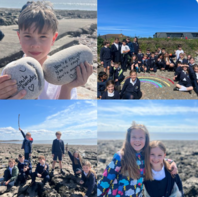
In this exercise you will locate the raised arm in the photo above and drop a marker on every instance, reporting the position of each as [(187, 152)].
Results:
[(23, 134)]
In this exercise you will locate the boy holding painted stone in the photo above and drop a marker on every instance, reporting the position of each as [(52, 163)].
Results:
[(10, 174), (37, 33), (27, 144), (58, 152)]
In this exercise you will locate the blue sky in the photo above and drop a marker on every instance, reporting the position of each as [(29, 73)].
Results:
[(75, 119), (159, 116), (144, 18)]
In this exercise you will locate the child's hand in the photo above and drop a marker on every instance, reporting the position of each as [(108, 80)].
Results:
[(81, 182), (39, 175), (102, 63), (173, 167), (20, 129), (100, 97), (116, 80), (6, 183), (8, 87), (45, 167)]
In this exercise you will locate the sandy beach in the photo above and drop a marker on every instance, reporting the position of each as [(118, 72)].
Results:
[(184, 153), (75, 27), (60, 185)]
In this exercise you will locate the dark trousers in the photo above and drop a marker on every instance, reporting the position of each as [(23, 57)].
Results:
[(195, 85), (46, 178), (124, 62), (27, 156)]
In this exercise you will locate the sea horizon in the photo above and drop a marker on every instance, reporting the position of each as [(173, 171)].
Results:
[(83, 141), (153, 136), (90, 5)]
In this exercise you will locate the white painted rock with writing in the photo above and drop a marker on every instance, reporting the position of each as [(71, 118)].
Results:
[(60, 68), (29, 76)]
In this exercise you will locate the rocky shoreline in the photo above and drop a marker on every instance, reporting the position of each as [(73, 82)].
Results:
[(184, 153), (60, 185), (9, 16)]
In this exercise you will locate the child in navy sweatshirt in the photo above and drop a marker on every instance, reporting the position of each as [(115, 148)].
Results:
[(110, 92), (25, 169), (184, 74), (131, 88), (152, 63), (76, 161), (58, 152), (116, 74), (27, 144), (102, 79), (88, 179), (42, 171), (105, 56)]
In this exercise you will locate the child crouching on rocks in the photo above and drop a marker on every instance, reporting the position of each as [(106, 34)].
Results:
[(10, 174), (42, 171), (25, 169), (89, 178), (76, 162)]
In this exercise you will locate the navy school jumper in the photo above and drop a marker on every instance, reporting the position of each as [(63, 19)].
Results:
[(76, 167), (116, 53)]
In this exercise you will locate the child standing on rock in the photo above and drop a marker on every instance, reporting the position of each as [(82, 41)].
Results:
[(58, 152), (37, 33), (130, 166), (88, 179), (76, 162), (163, 183), (27, 144), (10, 174)]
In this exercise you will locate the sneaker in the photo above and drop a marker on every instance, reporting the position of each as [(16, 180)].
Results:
[(52, 172), (176, 89)]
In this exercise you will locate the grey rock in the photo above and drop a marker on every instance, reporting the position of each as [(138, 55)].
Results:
[(3, 189), (29, 76), (60, 68)]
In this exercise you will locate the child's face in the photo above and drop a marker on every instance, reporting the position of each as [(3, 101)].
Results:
[(185, 68), (58, 136), (163, 51), (42, 161), (11, 164), (104, 77), (189, 56), (140, 51), (116, 65), (196, 69), (138, 139), (124, 43), (180, 48), (133, 76), (21, 159), (35, 44), (86, 169), (28, 137), (181, 56), (110, 88), (192, 61), (148, 52), (152, 55), (156, 157)]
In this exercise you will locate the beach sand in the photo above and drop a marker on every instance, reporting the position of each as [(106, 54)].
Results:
[(60, 185), (184, 154), (75, 27)]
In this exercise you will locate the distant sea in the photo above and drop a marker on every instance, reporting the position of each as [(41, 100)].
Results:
[(91, 141), (153, 136), (57, 4)]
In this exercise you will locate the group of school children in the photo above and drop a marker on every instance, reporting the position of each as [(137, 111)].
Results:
[(120, 57), (15, 175), (140, 168)]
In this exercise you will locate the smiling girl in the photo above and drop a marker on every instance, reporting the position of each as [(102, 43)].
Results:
[(163, 184)]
